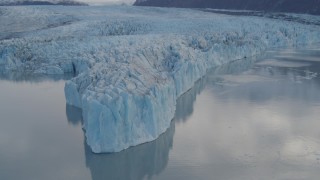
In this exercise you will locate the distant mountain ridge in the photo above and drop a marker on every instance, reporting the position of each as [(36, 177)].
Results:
[(41, 2), (294, 6)]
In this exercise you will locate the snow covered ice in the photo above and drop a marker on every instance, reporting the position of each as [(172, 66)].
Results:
[(132, 63)]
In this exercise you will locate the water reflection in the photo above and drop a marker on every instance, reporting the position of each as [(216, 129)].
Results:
[(185, 103), (135, 163), (32, 78), (257, 123), (35, 139), (271, 79), (149, 159), (74, 115)]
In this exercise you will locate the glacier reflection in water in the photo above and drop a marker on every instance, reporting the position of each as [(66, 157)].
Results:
[(257, 121), (134, 163), (147, 161), (244, 120)]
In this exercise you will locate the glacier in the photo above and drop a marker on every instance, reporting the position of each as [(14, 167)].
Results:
[(130, 64)]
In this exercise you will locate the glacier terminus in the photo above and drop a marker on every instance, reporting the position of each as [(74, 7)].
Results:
[(130, 64)]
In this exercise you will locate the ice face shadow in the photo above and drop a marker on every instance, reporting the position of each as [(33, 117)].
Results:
[(134, 163)]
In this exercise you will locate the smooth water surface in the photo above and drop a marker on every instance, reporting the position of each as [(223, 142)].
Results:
[(245, 120)]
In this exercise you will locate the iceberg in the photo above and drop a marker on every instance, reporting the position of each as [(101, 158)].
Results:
[(130, 64)]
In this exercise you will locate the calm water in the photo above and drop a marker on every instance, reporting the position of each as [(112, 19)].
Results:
[(246, 120)]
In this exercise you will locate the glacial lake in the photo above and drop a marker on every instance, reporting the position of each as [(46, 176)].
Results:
[(256, 118)]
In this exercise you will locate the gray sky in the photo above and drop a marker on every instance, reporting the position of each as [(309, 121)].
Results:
[(99, 2)]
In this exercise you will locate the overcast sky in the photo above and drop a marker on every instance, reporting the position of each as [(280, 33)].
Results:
[(97, 2)]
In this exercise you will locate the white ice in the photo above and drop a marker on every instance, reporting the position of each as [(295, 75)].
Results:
[(132, 63)]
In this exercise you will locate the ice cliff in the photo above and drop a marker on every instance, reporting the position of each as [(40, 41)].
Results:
[(132, 63)]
